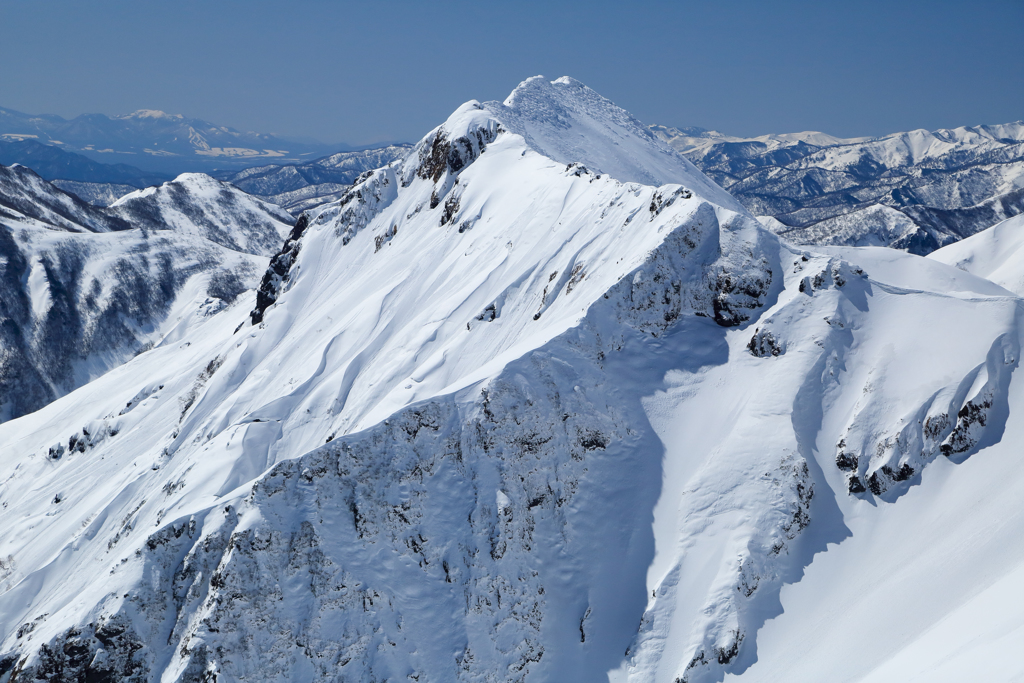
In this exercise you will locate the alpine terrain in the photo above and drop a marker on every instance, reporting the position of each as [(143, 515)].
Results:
[(83, 289), (534, 401), (916, 191), (298, 187)]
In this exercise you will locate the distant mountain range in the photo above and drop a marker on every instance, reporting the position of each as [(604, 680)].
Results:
[(155, 141), (917, 190), (294, 187)]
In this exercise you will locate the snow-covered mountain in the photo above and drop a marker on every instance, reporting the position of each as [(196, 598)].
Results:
[(97, 194), (536, 402), (299, 187), (24, 195), (197, 204), (916, 190), (83, 289)]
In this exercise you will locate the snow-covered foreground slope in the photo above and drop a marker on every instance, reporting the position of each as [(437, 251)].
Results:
[(996, 254), (927, 589), (500, 413), (84, 289), (850, 412)]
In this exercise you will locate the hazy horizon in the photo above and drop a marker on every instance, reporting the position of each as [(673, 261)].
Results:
[(356, 74)]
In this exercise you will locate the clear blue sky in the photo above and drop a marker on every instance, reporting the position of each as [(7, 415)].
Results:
[(378, 70)]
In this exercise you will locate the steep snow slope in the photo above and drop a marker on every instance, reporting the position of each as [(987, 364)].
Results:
[(500, 416), (996, 254), (568, 122), (832, 396), (926, 589), (429, 290)]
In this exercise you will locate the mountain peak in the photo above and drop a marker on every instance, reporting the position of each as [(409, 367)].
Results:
[(568, 122), (521, 379)]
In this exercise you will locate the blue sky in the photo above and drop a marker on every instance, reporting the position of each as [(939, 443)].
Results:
[(391, 70)]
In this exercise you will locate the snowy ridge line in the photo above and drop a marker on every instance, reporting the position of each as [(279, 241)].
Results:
[(506, 416), (25, 193), (916, 190), (995, 254), (820, 352), (560, 431), (195, 417)]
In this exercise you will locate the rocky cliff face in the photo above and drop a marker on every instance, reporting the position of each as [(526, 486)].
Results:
[(498, 415)]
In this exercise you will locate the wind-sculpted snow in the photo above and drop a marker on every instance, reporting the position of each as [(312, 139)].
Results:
[(830, 387), (568, 122), (496, 417), (996, 254)]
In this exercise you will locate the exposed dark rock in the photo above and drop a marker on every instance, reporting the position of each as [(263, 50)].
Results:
[(110, 652), (277, 272), (764, 344), (847, 462), (964, 435)]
